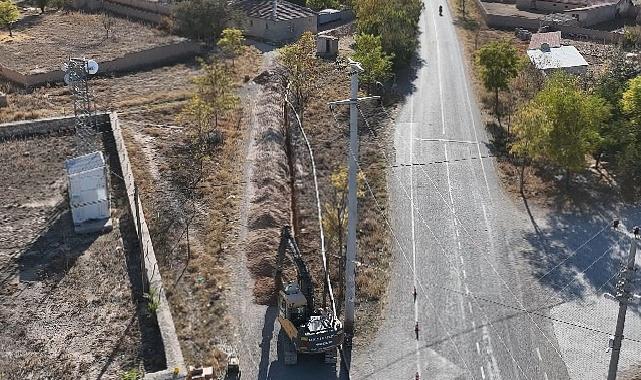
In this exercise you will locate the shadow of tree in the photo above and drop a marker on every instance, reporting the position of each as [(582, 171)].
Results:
[(576, 253)]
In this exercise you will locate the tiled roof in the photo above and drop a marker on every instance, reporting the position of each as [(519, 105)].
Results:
[(264, 9), (553, 39)]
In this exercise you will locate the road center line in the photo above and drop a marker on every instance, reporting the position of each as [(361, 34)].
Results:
[(418, 352)]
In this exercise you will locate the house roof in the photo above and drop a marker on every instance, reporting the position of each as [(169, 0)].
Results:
[(553, 39), (265, 9), (556, 58)]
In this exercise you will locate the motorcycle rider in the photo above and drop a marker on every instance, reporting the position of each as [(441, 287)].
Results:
[(440, 10)]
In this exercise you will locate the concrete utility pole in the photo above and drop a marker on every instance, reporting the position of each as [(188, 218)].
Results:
[(623, 296), (352, 201)]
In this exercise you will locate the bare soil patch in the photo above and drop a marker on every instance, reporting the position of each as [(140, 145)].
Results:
[(148, 103), (44, 42), (69, 303)]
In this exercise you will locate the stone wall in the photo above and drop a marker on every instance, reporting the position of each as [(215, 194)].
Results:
[(149, 58)]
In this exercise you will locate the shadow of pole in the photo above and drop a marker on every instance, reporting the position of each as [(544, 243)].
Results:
[(265, 344)]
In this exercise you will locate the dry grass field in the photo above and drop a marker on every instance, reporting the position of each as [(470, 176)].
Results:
[(71, 305), (44, 42)]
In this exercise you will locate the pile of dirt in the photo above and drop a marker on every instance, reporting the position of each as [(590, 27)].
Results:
[(270, 205)]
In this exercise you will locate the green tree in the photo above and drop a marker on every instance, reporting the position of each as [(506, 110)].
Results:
[(630, 138), (498, 63), (216, 90), (59, 4), (42, 4), (9, 14), (395, 21), (377, 64), (318, 5), (231, 42), (301, 70), (203, 19), (560, 125), (335, 215)]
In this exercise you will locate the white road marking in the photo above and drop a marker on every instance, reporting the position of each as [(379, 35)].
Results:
[(538, 353), (467, 290), (474, 326), (493, 367), (478, 348), (459, 244), (448, 140), (482, 372), (461, 257), (469, 304), (418, 351), (464, 273), (545, 375)]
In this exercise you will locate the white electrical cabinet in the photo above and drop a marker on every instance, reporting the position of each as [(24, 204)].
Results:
[(88, 188)]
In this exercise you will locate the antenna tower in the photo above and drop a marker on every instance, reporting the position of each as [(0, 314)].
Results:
[(77, 71)]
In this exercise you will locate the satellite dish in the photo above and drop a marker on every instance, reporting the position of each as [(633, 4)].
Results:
[(67, 77), (92, 66)]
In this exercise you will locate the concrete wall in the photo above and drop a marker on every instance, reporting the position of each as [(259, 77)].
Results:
[(173, 353), (30, 128), (138, 9), (344, 15), (593, 16), (279, 31), (153, 57), (548, 6)]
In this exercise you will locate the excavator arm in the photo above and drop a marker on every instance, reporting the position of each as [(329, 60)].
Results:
[(289, 247)]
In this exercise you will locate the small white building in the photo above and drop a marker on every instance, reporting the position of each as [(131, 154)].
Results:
[(549, 59), (276, 20), (326, 45)]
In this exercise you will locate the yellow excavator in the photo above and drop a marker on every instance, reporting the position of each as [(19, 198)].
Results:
[(308, 330)]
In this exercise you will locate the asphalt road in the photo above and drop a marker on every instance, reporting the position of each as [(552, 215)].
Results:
[(458, 239)]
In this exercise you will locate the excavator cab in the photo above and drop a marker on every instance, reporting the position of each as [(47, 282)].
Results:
[(293, 304)]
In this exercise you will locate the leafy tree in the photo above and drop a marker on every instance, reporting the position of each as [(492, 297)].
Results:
[(317, 5), (335, 213), (628, 163), (216, 90), (59, 4), (9, 14), (203, 19), (42, 4), (498, 62), (301, 70), (231, 42), (560, 125), (396, 21), (377, 64)]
